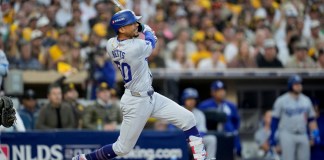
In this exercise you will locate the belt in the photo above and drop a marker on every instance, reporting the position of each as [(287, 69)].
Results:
[(139, 94), (298, 132)]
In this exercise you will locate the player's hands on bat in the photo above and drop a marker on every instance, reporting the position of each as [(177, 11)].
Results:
[(144, 28)]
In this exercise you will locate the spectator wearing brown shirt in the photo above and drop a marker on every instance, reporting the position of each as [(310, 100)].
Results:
[(55, 114), (300, 58)]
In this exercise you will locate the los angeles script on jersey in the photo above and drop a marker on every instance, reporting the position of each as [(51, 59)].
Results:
[(117, 53)]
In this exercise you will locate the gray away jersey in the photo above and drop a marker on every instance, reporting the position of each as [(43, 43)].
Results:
[(293, 113), (130, 56)]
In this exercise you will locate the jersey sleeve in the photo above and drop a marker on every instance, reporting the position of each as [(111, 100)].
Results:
[(145, 48), (311, 111), (235, 118), (276, 111), (201, 122)]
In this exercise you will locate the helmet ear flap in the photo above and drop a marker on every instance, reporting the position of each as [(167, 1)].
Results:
[(140, 27)]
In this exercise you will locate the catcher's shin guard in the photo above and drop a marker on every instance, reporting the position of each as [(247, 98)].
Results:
[(197, 148)]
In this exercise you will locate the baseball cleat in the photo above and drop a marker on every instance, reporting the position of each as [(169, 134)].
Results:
[(79, 157), (197, 148)]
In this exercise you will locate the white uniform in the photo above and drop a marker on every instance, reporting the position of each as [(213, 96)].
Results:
[(293, 114), (139, 101)]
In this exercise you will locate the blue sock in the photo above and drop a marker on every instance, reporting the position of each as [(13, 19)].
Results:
[(192, 132), (105, 152)]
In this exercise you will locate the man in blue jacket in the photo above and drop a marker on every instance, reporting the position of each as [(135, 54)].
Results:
[(218, 101)]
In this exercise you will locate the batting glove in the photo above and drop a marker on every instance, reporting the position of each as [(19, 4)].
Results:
[(147, 28), (316, 136)]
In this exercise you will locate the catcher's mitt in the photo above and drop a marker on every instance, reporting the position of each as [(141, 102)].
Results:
[(7, 112)]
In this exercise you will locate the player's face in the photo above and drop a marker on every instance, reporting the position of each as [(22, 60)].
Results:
[(219, 94), (131, 30), (190, 103), (297, 88)]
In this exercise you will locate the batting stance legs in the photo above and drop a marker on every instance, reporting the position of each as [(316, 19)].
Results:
[(136, 111)]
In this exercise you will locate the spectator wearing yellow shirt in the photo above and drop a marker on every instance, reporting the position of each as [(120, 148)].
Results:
[(216, 61), (74, 58), (201, 53), (27, 31), (59, 51)]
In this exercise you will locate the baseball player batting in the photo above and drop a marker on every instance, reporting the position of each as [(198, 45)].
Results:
[(139, 101), (293, 112)]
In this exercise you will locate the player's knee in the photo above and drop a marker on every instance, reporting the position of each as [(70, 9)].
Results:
[(122, 150), (189, 121)]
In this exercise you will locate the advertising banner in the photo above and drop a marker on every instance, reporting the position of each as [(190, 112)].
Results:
[(59, 145)]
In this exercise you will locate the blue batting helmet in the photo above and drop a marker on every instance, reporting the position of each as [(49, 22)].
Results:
[(123, 18), (294, 79), (189, 93)]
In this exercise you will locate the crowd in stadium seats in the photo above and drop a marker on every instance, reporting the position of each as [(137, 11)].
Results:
[(39, 34), (192, 34)]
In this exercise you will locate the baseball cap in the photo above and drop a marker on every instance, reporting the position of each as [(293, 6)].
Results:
[(260, 13), (269, 43), (36, 34), (102, 86), (301, 44), (29, 94), (315, 23), (290, 10), (216, 85), (69, 87), (42, 21)]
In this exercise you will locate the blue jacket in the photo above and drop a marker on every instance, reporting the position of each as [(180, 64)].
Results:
[(233, 120), (107, 74), (317, 151), (29, 119)]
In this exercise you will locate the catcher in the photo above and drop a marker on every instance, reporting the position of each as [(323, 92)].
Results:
[(7, 112)]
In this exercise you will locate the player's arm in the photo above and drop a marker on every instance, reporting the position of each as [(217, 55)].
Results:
[(149, 34), (4, 65), (235, 118), (312, 124), (275, 121)]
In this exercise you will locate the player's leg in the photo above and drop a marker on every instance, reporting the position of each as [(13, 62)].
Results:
[(136, 111), (303, 148), (173, 113), (288, 145), (210, 142)]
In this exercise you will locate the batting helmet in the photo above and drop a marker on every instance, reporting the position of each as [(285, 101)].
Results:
[(216, 85), (189, 93), (123, 18), (294, 79)]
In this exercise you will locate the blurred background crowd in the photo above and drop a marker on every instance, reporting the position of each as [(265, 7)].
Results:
[(45, 35), (201, 34)]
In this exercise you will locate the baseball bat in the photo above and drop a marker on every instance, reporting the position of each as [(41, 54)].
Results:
[(116, 2)]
